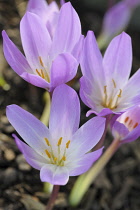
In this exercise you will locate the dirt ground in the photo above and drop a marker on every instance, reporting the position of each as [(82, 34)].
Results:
[(116, 188)]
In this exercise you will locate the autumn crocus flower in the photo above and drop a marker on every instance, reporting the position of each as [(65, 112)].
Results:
[(126, 127), (62, 150), (105, 87), (116, 20), (48, 13), (48, 63)]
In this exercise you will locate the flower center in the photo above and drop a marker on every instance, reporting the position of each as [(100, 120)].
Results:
[(129, 123), (111, 98), (59, 158), (43, 72)]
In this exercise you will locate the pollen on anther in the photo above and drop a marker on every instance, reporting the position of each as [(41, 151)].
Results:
[(47, 141), (47, 153), (67, 144), (136, 124), (42, 74), (120, 93), (41, 62), (55, 159), (64, 158), (130, 123), (126, 119), (59, 141), (114, 83), (38, 72)]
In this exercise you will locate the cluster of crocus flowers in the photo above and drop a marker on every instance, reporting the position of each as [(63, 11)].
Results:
[(53, 48), (105, 85), (48, 61), (63, 149)]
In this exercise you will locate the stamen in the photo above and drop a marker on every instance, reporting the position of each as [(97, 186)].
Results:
[(55, 159), (41, 62), (59, 141), (114, 83), (126, 119), (42, 74), (130, 123), (64, 158), (47, 141), (136, 124), (67, 144), (47, 153), (38, 72), (120, 93), (105, 89)]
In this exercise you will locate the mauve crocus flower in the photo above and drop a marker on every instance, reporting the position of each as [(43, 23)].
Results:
[(105, 87), (62, 150), (48, 13), (116, 20), (48, 63), (126, 127)]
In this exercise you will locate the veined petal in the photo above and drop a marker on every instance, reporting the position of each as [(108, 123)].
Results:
[(63, 69), (14, 57), (85, 162), (86, 92), (76, 52), (119, 130), (87, 136), (29, 127), (91, 59), (133, 135), (53, 174), (36, 40), (131, 92), (32, 157), (38, 7), (47, 13), (65, 112), (68, 30), (36, 80), (117, 60), (112, 25)]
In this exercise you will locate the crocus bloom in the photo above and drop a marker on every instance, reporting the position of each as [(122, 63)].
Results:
[(126, 127), (105, 87), (61, 150), (48, 13), (48, 63), (116, 20)]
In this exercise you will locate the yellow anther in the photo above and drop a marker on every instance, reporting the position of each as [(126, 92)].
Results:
[(114, 83), (64, 158), (41, 62), (47, 153), (59, 141), (38, 72), (47, 141), (67, 144), (55, 159), (120, 93), (42, 74)]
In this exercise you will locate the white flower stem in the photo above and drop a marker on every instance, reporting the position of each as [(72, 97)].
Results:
[(53, 197), (46, 112), (84, 181), (101, 142), (47, 188)]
